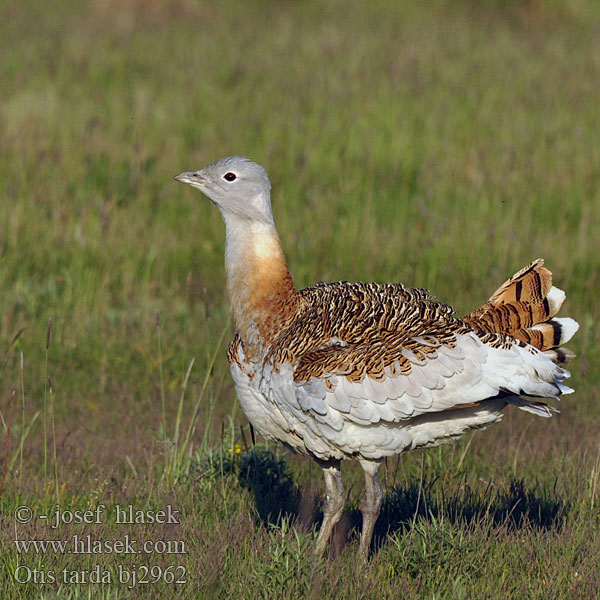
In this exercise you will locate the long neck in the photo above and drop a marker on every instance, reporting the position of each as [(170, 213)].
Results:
[(260, 287)]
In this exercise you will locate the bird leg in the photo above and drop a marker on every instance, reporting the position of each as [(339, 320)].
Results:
[(334, 503), (371, 504)]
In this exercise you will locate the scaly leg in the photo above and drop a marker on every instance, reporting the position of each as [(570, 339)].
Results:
[(334, 503), (371, 504)]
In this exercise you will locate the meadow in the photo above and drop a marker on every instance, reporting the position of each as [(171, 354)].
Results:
[(440, 144)]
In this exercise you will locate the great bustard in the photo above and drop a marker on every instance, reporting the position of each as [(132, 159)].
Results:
[(364, 370)]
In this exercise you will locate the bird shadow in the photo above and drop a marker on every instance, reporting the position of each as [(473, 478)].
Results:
[(516, 506), (270, 481)]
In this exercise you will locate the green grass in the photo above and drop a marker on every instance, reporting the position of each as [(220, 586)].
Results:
[(440, 144)]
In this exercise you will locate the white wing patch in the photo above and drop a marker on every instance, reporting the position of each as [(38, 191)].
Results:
[(446, 379)]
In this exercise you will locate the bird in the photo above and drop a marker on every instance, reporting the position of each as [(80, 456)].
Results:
[(365, 371)]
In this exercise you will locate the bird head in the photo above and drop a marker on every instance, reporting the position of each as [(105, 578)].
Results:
[(236, 185)]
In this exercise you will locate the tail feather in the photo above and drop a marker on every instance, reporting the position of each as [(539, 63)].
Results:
[(529, 285), (524, 307), (533, 406), (560, 355)]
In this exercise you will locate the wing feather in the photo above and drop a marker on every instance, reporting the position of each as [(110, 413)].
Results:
[(465, 374)]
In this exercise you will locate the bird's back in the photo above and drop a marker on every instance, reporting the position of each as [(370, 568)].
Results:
[(362, 328)]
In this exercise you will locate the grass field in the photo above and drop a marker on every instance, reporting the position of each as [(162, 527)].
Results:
[(440, 144)]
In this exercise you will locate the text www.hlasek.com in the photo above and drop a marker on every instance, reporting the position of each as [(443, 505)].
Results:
[(86, 544)]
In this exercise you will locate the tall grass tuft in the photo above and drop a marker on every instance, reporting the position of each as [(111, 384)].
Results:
[(22, 441), (7, 440), (162, 379), (46, 379), (53, 426), (180, 447), (25, 427)]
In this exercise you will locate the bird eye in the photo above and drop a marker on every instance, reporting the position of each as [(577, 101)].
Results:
[(229, 176)]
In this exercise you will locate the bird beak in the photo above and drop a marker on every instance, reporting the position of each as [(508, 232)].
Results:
[(190, 177)]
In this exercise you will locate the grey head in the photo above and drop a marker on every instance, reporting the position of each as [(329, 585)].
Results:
[(236, 185)]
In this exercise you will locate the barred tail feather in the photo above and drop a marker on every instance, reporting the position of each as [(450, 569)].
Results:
[(560, 355), (524, 307)]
